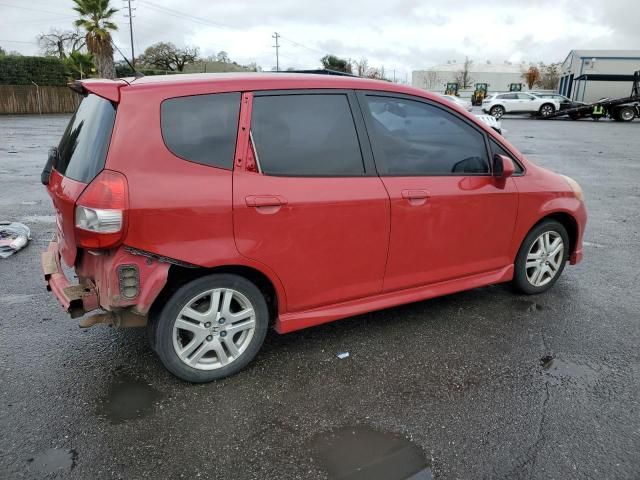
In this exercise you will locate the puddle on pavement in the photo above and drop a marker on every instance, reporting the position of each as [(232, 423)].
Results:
[(361, 453), (128, 398), (560, 369), (528, 306), (52, 462)]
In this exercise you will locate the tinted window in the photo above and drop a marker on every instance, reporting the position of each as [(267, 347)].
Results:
[(306, 135), (202, 128), (524, 96), (508, 96), (414, 138), (496, 148), (83, 148)]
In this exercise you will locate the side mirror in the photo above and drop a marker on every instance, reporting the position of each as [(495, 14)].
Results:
[(502, 166)]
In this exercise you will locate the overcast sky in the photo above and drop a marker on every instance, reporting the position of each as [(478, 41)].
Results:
[(403, 35)]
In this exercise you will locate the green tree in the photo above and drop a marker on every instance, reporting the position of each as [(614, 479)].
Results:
[(80, 64), (2, 52), (95, 19), (331, 62), (166, 56)]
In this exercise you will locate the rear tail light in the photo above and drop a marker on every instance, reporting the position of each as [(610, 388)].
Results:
[(100, 216)]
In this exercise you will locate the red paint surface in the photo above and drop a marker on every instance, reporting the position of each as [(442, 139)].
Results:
[(332, 247)]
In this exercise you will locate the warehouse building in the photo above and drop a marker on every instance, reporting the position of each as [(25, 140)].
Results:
[(589, 75), (497, 75)]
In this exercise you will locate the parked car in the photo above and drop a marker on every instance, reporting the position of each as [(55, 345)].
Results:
[(565, 102), (460, 102), (212, 207), (518, 102), (491, 121)]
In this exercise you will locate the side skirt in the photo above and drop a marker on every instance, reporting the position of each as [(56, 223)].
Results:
[(292, 321)]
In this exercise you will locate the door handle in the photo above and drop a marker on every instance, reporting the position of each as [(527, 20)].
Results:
[(415, 197), (265, 201)]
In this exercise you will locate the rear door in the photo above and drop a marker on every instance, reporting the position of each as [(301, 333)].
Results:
[(510, 102), (308, 204), (449, 216), (81, 156)]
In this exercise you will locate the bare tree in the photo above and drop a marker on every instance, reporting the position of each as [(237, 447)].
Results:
[(463, 77), (61, 43), (360, 67), (550, 76), (431, 80), (531, 76), (166, 56)]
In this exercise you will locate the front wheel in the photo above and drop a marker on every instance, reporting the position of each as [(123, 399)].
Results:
[(626, 114), (497, 111), (211, 327), (546, 110), (541, 258)]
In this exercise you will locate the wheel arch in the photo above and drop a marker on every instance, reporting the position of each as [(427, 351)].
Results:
[(179, 275), (567, 220)]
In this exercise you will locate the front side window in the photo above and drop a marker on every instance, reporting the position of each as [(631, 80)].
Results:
[(306, 135), (508, 96), (415, 138), (202, 128), (496, 148)]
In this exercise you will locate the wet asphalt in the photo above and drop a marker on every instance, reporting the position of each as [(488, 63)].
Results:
[(481, 384)]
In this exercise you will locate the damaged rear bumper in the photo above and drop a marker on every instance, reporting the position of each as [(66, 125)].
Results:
[(74, 299), (103, 286)]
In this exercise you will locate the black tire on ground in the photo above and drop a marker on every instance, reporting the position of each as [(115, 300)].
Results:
[(497, 111), (574, 116), (626, 114), (546, 109), (163, 328), (520, 281)]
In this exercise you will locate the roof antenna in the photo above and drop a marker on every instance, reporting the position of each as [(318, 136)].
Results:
[(136, 73)]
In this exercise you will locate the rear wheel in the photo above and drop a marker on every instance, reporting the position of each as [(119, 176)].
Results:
[(547, 109), (626, 114), (497, 111), (541, 258), (211, 327)]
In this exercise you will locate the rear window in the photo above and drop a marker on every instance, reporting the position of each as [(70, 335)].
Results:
[(202, 128), (83, 148)]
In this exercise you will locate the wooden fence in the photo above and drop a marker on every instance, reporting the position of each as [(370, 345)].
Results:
[(17, 99)]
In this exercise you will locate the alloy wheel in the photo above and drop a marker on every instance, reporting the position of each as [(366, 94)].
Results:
[(545, 258), (214, 328), (546, 110)]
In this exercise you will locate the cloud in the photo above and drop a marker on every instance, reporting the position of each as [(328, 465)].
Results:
[(403, 35)]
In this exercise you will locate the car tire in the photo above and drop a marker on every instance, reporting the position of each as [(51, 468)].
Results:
[(196, 336), (574, 116), (497, 111), (626, 114), (546, 109), (537, 268)]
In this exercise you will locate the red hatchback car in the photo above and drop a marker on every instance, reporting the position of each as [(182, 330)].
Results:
[(209, 207)]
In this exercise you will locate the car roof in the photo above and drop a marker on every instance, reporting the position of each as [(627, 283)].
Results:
[(269, 80)]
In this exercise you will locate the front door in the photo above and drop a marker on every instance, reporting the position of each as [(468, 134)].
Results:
[(449, 216), (312, 208)]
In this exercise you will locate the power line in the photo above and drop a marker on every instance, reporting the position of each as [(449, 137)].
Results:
[(186, 16), (302, 45), (32, 9)]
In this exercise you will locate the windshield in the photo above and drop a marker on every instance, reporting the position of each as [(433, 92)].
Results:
[(83, 147)]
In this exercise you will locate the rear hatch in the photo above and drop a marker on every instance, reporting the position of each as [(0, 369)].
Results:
[(77, 160)]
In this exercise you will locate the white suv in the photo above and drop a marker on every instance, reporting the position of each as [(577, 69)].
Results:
[(518, 102)]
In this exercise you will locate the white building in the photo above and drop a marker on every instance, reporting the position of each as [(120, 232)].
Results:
[(589, 75), (497, 75)]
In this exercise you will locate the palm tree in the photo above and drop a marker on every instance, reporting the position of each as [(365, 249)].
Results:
[(95, 18)]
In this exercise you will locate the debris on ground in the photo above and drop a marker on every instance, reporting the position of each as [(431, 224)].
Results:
[(13, 237), (342, 355)]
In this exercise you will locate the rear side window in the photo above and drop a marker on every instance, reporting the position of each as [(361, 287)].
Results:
[(306, 135), (83, 148), (202, 128), (415, 138)]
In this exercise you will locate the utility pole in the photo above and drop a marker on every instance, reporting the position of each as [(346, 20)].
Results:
[(276, 35), (133, 56)]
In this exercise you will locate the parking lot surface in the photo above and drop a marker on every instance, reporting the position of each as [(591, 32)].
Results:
[(481, 384)]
